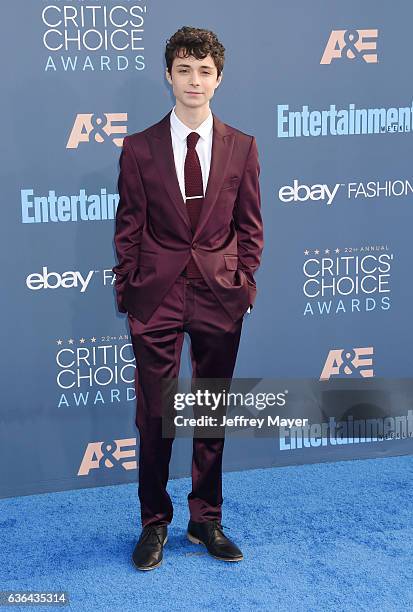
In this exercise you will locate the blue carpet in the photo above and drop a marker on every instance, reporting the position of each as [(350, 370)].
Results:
[(331, 536)]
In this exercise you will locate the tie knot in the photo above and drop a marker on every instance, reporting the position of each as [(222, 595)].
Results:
[(192, 139)]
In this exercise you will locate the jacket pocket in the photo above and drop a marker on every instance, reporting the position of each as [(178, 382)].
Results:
[(231, 262)]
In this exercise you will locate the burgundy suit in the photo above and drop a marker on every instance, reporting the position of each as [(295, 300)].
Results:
[(154, 243)]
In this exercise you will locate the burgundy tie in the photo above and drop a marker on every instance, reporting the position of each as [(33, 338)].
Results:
[(194, 193)]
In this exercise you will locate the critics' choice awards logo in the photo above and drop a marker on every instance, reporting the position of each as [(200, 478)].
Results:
[(71, 279), (89, 127), (358, 45), (349, 121), (86, 38), (93, 371), (342, 281), (109, 454), (355, 363), (323, 193)]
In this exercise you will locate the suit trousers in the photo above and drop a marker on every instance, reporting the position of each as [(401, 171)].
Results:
[(189, 306)]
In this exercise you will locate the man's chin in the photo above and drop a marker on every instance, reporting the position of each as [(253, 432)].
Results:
[(193, 102)]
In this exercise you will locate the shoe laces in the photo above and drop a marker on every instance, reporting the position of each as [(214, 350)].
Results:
[(216, 525), (149, 532)]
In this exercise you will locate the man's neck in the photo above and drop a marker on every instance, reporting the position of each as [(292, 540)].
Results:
[(192, 117)]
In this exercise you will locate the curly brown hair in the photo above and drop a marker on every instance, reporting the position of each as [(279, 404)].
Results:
[(196, 42)]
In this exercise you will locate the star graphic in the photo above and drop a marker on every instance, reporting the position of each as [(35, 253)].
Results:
[(93, 339), (306, 252), (59, 341), (316, 252), (82, 340), (337, 251), (71, 341), (327, 251)]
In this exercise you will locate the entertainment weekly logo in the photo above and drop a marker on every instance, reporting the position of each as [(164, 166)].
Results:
[(94, 371), (346, 280), (88, 38), (298, 193), (358, 45), (91, 127), (61, 208), (348, 121)]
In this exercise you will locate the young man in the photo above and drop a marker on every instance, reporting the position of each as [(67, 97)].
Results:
[(188, 239)]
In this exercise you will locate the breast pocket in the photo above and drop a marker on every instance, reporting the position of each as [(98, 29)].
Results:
[(231, 183)]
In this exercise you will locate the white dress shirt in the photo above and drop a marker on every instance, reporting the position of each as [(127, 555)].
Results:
[(179, 133)]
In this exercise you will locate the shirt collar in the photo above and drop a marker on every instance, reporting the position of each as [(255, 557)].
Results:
[(181, 130)]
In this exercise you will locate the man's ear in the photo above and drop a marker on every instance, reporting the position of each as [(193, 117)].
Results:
[(168, 76), (219, 79)]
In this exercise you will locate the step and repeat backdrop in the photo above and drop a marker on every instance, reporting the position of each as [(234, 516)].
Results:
[(325, 89)]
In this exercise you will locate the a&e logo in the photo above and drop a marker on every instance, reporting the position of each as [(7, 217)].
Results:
[(97, 128), (109, 454), (355, 362), (351, 44)]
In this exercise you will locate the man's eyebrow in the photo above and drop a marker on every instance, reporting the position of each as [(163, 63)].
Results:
[(188, 66)]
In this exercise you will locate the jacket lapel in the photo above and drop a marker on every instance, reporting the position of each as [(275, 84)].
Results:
[(162, 153), (222, 145)]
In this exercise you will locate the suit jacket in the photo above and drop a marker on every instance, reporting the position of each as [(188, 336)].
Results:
[(153, 236)]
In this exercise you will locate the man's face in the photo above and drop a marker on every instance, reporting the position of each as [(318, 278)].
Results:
[(193, 80)]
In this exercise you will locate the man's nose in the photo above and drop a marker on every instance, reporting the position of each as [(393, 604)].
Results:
[(195, 79)]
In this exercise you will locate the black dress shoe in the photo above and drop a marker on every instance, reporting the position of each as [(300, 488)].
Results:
[(211, 535), (148, 551)]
